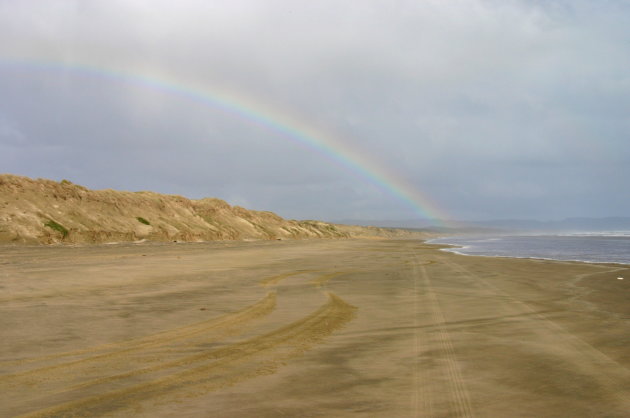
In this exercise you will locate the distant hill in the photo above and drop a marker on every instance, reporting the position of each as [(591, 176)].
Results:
[(425, 225), (45, 211), (506, 225), (384, 223), (564, 225)]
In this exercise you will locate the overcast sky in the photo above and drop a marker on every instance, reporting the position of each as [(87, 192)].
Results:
[(491, 109)]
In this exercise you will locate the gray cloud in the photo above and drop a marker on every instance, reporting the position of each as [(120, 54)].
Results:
[(493, 109)]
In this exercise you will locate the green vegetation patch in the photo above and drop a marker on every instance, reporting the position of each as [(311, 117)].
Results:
[(143, 221), (57, 227)]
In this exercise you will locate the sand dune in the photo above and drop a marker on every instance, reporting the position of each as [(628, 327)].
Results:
[(46, 211)]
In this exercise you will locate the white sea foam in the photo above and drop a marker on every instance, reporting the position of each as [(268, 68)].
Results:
[(597, 234), (600, 247)]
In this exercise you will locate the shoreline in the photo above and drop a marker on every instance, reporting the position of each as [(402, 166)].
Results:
[(318, 327), (453, 251), (452, 248)]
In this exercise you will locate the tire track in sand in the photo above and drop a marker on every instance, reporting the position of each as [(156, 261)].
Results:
[(421, 391), (325, 278), (217, 368), (229, 324), (460, 399), (599, 366), (318, 281), (274, 280)]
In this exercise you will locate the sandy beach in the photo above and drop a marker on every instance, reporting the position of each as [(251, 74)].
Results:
[(374, 328)]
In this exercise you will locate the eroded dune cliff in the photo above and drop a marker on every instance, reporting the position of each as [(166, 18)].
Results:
[(46, 211)]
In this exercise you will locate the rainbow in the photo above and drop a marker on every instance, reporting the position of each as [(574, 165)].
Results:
[(280, 122)]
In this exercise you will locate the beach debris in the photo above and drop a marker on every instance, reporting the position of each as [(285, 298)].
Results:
[(619, 278)]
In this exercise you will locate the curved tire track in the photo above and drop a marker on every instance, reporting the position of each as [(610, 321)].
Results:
[(274, 280), (325, 278), (105, 355), (218, 368)]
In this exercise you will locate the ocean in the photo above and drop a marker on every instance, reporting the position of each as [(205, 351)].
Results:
[(595, 247)]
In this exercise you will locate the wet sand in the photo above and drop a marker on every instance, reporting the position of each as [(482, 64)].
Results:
[(374, 328)]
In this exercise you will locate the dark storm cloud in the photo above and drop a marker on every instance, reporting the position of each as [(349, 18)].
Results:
[(491, 108)]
